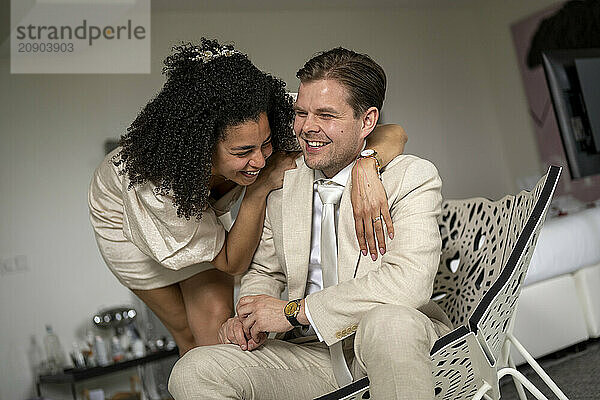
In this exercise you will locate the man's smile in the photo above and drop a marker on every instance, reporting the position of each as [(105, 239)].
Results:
[(315, 145)]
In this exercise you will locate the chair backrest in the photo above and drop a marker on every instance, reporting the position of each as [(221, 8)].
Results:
[(478, 236), (492, 315), (474, 233), (479, 281)]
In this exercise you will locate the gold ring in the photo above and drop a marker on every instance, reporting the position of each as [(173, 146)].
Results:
[(376, 219)]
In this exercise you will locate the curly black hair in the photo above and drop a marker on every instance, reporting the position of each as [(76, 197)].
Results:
[(172, 141)]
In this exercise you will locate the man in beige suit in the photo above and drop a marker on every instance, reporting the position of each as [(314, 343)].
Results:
[(349, 316)]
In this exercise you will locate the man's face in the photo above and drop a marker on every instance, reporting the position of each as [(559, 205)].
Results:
[(329, 134)]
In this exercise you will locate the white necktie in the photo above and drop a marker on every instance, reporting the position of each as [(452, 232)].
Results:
[(330, 194)]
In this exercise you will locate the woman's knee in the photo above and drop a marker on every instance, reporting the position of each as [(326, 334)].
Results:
[(167, 303), (207, 304)]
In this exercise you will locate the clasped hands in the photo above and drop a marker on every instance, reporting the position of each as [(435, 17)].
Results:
[(256, 316)]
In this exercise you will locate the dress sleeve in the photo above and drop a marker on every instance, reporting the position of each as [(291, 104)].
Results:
[(150, 221)]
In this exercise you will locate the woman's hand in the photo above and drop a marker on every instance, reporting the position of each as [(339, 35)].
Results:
[(271, 176), (370, 206)]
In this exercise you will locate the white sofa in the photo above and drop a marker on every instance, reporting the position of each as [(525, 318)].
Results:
[(560, 302)]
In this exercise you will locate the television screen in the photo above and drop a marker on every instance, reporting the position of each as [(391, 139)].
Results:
[(573, 78)]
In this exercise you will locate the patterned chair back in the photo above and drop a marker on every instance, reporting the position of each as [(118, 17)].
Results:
[(474, 236), (492, 316), (486, 249), (478, 236)]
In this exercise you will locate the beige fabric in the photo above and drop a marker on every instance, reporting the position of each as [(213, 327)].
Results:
[(140, 237), (386, 301), (403, 276), (282, 370)]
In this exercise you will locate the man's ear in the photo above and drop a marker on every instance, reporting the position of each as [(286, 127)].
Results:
[(369, 121)]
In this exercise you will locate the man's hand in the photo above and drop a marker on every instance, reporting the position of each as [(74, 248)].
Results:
[(261, 314), (232, 332)]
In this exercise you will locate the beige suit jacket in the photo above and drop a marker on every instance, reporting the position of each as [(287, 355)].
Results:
[(403, 276)]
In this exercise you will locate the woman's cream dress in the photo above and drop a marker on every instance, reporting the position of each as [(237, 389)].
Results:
[(140, 237)]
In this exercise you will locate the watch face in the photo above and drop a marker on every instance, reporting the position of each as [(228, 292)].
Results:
[(367, 152), (291, 308)]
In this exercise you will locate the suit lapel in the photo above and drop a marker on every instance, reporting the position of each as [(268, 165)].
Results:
[(297, 221), (348, 249)]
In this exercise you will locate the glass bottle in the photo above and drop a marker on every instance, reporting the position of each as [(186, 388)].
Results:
[(35, 355), (54, 351)]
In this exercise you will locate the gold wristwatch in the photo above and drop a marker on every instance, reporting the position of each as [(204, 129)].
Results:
[(291, 311)]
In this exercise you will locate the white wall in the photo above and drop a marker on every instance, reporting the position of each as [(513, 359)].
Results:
[(453, 84), (437, 82), (52, 132), (511, 112)]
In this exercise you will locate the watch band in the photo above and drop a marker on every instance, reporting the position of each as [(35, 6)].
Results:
[(376, 155), (370, 153), (291, 311)]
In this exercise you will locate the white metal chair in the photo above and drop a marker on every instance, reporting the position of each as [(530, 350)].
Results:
[(486, 249)]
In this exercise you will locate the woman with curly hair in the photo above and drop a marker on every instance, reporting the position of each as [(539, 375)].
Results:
[(193, 150)]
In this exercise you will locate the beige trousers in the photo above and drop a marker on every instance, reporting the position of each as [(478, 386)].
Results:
[(391, 346)]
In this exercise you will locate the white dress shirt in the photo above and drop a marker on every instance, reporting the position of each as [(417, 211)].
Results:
[(314, 282)]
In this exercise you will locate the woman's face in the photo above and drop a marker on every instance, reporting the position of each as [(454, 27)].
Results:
[(242, 153)]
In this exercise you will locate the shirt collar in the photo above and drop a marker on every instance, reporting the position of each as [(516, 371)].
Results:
[(341, 178)]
